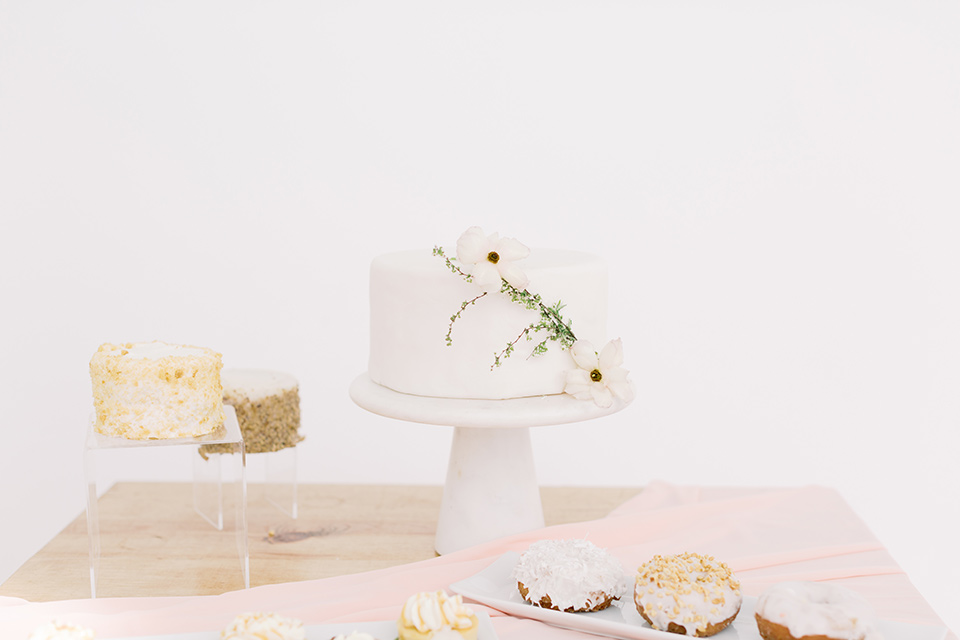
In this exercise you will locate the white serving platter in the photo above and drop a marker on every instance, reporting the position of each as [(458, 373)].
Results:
[(383, 630), (496, 588)]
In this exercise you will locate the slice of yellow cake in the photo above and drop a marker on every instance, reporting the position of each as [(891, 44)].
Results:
[(155, 390)]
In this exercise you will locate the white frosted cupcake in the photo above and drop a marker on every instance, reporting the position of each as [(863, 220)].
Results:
[(434, 615), (61, 631), (263, 626)]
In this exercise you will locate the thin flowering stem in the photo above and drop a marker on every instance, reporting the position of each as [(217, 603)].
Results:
[(457, 315), (551, 319)]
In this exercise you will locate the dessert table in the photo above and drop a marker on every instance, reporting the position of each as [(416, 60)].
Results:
[(310, 571), (342, 529)]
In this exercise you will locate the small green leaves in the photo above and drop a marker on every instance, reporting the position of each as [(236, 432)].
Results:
[(551, 320)]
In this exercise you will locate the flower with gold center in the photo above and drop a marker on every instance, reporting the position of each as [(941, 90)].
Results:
[(599, 376), (491, 259)]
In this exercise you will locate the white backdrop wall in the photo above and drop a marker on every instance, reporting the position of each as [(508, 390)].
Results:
[(773, 184)]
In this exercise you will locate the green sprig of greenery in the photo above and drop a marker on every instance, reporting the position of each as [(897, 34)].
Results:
[(551, 319)]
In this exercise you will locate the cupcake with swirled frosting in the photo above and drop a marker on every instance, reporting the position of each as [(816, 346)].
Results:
[(61, 631), (434, 615), (263, 626)]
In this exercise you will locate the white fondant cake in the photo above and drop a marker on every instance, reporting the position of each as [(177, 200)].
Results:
[(155, 390), (413, 296)]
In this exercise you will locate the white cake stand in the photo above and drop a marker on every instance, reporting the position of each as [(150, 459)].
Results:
[(491, 489)]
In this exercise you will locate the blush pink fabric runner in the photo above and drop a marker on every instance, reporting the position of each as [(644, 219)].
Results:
[(765, 535)]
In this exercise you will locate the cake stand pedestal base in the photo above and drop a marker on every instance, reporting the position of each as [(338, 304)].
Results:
[(491, 489)]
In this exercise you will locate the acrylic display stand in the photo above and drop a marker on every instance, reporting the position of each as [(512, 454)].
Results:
[(281, 480), (279, 472), (491, 488), (219, 482)]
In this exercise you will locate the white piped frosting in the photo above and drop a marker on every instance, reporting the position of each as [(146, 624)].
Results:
[(436, 611), (355, 635), (263, 626), (61, 631), (689, 590), (817, 608), (574, 574)]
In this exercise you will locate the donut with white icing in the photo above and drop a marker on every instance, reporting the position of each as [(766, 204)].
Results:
[(814, 611), (569, 575), (689, 594)]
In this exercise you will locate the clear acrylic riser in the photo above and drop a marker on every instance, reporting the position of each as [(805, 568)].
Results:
[(219, 497)]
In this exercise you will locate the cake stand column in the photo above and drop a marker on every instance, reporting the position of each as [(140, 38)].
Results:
[(491, 489)]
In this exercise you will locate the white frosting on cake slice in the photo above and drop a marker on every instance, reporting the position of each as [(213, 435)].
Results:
[(256, 384), (413, 296)]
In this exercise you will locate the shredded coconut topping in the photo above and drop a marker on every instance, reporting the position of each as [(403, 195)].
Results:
[(263, 626), (690, 590), (575, 574)]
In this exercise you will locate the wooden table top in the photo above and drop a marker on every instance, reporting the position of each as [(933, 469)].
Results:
[(154, 543)]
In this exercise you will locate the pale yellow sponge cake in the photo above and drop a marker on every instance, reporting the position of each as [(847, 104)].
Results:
[(433, 615), (155, 390)]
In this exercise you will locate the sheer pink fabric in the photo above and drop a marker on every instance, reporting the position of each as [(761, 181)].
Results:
[(765, 535)]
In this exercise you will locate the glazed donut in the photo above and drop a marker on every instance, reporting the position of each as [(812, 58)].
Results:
[(569, 575), (688, 594), (814, 611)]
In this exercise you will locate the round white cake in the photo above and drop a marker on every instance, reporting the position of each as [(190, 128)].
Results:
[(413, 296)]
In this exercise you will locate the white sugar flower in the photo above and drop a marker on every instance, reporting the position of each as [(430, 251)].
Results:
[(488, 259), (599, 376)]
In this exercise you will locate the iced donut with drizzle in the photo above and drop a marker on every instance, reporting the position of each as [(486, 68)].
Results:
[(793, 610), (689, 594), (569, 575)]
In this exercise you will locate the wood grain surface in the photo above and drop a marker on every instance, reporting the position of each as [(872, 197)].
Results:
[(154, 543)]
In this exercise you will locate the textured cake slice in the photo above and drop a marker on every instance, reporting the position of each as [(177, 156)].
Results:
[(267, 405), (155, 390)]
